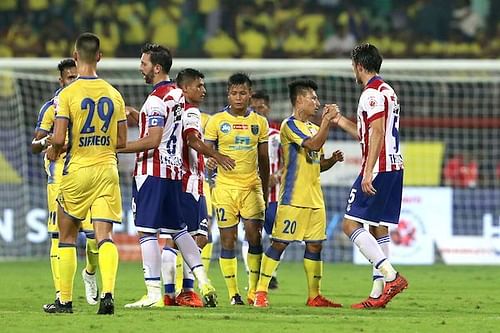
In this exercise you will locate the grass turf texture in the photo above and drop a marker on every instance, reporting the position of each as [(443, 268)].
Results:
[(439, 299)]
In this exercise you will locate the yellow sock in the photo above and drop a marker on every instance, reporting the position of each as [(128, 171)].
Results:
[(229, 268), (254, 261), (108, 265), (206, 256), (54, 263), (67, 270), (267, 268), (179, 272), (92, 256), (314, 271)]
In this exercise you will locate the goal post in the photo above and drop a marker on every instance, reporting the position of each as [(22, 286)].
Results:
[(450, 128)]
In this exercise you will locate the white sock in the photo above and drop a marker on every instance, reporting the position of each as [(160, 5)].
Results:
[(154, 289), (191, 254), (244, 254), (372, 251), (151, 261), (168, 263), (378, 277)]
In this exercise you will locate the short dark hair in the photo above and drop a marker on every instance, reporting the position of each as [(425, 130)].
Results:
[(261, 94), (188, 75), (367, 55), (65, 64), (238, 79), (88, 45), (160, 55), (300, 87)]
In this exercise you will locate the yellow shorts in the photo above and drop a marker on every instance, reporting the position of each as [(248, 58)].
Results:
[(299, 224), (208, 197), (93, 188), (52, 192), (231, 204)]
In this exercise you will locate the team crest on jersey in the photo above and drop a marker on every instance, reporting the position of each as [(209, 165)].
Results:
[(225, 128), (255, 129)]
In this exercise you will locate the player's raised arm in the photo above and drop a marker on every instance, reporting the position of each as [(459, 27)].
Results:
[(318, 140), (195, 142), (346, 124)]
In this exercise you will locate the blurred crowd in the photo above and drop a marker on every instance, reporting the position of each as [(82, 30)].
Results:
[(254, 28)]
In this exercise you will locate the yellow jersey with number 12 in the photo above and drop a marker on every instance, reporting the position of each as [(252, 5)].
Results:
[(300, 182), (238, 137), (93, 108)]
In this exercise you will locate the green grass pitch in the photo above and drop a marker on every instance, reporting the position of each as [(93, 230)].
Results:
[(439, 299)]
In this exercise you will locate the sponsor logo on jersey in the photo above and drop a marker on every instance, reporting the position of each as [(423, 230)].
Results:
[(225, 128), (240, 126)]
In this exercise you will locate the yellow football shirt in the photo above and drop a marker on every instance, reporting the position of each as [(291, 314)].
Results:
[(300, 182), (205, 117), (93, 108), (45, 123), (238, 137)]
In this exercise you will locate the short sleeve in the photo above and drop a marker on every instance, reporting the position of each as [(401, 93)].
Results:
[(155, 111), (264, 133), (292, 133), (46, 117), (211, 129), (121, 116), (191, 120), (373, 102), (61, 105)]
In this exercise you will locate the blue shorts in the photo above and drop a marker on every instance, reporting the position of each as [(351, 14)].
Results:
[(156, 205), (270, 216), (381, 208), (195, 214)]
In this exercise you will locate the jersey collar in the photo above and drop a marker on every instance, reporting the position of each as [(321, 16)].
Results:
[(227, 108), (88, 77), (162, 83)]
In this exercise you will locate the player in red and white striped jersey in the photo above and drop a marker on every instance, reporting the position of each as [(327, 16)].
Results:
[(193, 202), (375, 197), (157, 188)]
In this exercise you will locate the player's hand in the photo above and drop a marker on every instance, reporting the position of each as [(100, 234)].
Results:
[(366, 184), (211, 163), (132, 116), (338, 156), (274, 179), (225, 161), (330, 111), (51, 154), (49, 140)]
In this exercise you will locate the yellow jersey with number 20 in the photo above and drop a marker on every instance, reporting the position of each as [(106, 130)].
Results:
[(300, 182)]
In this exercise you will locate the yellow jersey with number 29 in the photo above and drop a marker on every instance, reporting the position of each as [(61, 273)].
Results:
[(94, 108)]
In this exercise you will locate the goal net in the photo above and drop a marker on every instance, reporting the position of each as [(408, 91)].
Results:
[(450, 121)]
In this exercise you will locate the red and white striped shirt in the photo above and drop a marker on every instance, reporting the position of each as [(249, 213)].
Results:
[(274, 145), (163, 108), (193, 165), (379, 100)]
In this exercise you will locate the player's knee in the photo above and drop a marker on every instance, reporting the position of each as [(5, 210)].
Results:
[(279, 246), (314, 247), (201, 241), (349, 226)]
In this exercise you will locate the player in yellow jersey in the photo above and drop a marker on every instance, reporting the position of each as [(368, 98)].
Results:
[(206, 252), (93, 113), (41, 142), (241, 134), (301, 211)]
